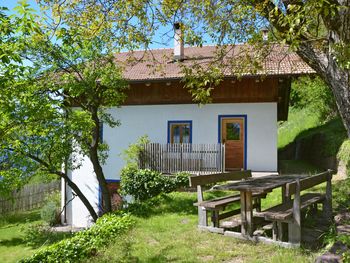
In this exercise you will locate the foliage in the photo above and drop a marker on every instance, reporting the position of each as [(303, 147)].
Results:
[(40, 234), (49, 213), (314, 94), (132, 154), (85, 243), (39, 129), (51, 209), (145, 184)]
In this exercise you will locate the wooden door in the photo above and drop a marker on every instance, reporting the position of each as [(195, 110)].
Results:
[(232, 135)]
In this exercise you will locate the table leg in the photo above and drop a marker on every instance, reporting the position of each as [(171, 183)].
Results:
[(246, 213), (249, 212)]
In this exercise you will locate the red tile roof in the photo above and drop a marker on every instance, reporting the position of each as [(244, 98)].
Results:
[(158, 64)]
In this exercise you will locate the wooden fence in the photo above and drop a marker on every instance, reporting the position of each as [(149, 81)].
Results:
[(29, 197), (187, 157)]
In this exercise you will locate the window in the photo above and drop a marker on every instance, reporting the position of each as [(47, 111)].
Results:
[(233, 131), (179, 131)]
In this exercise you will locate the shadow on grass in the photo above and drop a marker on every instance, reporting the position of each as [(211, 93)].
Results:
[(333, 132), (12, 242), (19, 218)]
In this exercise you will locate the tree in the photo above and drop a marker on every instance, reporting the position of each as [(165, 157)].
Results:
[(318, 30), (52, 114)]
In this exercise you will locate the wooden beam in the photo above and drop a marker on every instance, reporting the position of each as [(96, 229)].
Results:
[(219, 177)]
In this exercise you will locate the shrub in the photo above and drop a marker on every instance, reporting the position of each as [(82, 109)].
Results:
[(314, 94), (50, 211), (132, 154), (38, 234), (145, 184), (86, 243)]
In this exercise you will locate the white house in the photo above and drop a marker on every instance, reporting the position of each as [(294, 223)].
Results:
[(243, 114)]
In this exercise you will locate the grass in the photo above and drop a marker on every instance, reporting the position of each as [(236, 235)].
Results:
[(12, 245), (297, 167), (298, 122), (166, 231), (303, 124), (14, 227)]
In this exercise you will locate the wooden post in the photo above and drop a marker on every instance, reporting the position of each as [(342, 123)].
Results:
[(202, 212), (294, 228), (249, 212), (243, 214)]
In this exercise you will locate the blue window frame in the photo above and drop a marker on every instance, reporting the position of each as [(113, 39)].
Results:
[(180, 131)]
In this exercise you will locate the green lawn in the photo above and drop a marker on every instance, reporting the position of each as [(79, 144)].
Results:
[(12, 246), (166, 231)]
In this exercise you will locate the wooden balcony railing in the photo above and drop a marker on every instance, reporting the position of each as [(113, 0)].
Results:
[(183, 157)]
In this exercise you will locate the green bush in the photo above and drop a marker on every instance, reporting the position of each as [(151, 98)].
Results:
[(314, 94), (86, 243), (145, 184), (50, 211), (38, 234)]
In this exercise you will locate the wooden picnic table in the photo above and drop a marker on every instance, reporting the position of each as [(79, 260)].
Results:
[(262, 184)]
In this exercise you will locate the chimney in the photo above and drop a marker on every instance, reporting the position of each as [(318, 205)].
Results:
[(265, 33), (178, 43)]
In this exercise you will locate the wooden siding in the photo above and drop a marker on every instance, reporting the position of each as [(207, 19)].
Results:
[(229, 91), (270, 89)]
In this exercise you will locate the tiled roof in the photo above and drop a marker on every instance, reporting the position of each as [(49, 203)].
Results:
[(158, 64)]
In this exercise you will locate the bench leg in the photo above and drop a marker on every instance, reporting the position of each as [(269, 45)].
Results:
[(294, 233), (202, 216), (215, 218), (257, 204), (274, 231)]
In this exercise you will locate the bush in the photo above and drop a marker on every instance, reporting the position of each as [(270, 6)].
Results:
[(50, 211), (314, 94), (145, 184), (86, 243), (38, 234)]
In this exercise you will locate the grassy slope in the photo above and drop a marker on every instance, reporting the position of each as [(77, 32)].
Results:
[(166, 231), (298, 121), (12, 246)]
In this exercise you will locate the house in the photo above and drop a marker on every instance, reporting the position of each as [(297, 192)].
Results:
[(243, 114)]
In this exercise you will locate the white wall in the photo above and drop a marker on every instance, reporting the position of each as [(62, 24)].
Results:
[(76, 212), (153, 120)]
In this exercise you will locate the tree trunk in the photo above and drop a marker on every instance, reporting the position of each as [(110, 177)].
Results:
[(93, 152), (335, 77), (107, 206), (81, 196)]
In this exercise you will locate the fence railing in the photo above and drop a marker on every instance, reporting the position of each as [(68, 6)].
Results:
[(29, 197), (187, 157)]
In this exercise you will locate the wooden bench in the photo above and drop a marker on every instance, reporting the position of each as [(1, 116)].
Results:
[(218, 205), (290, 210)]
